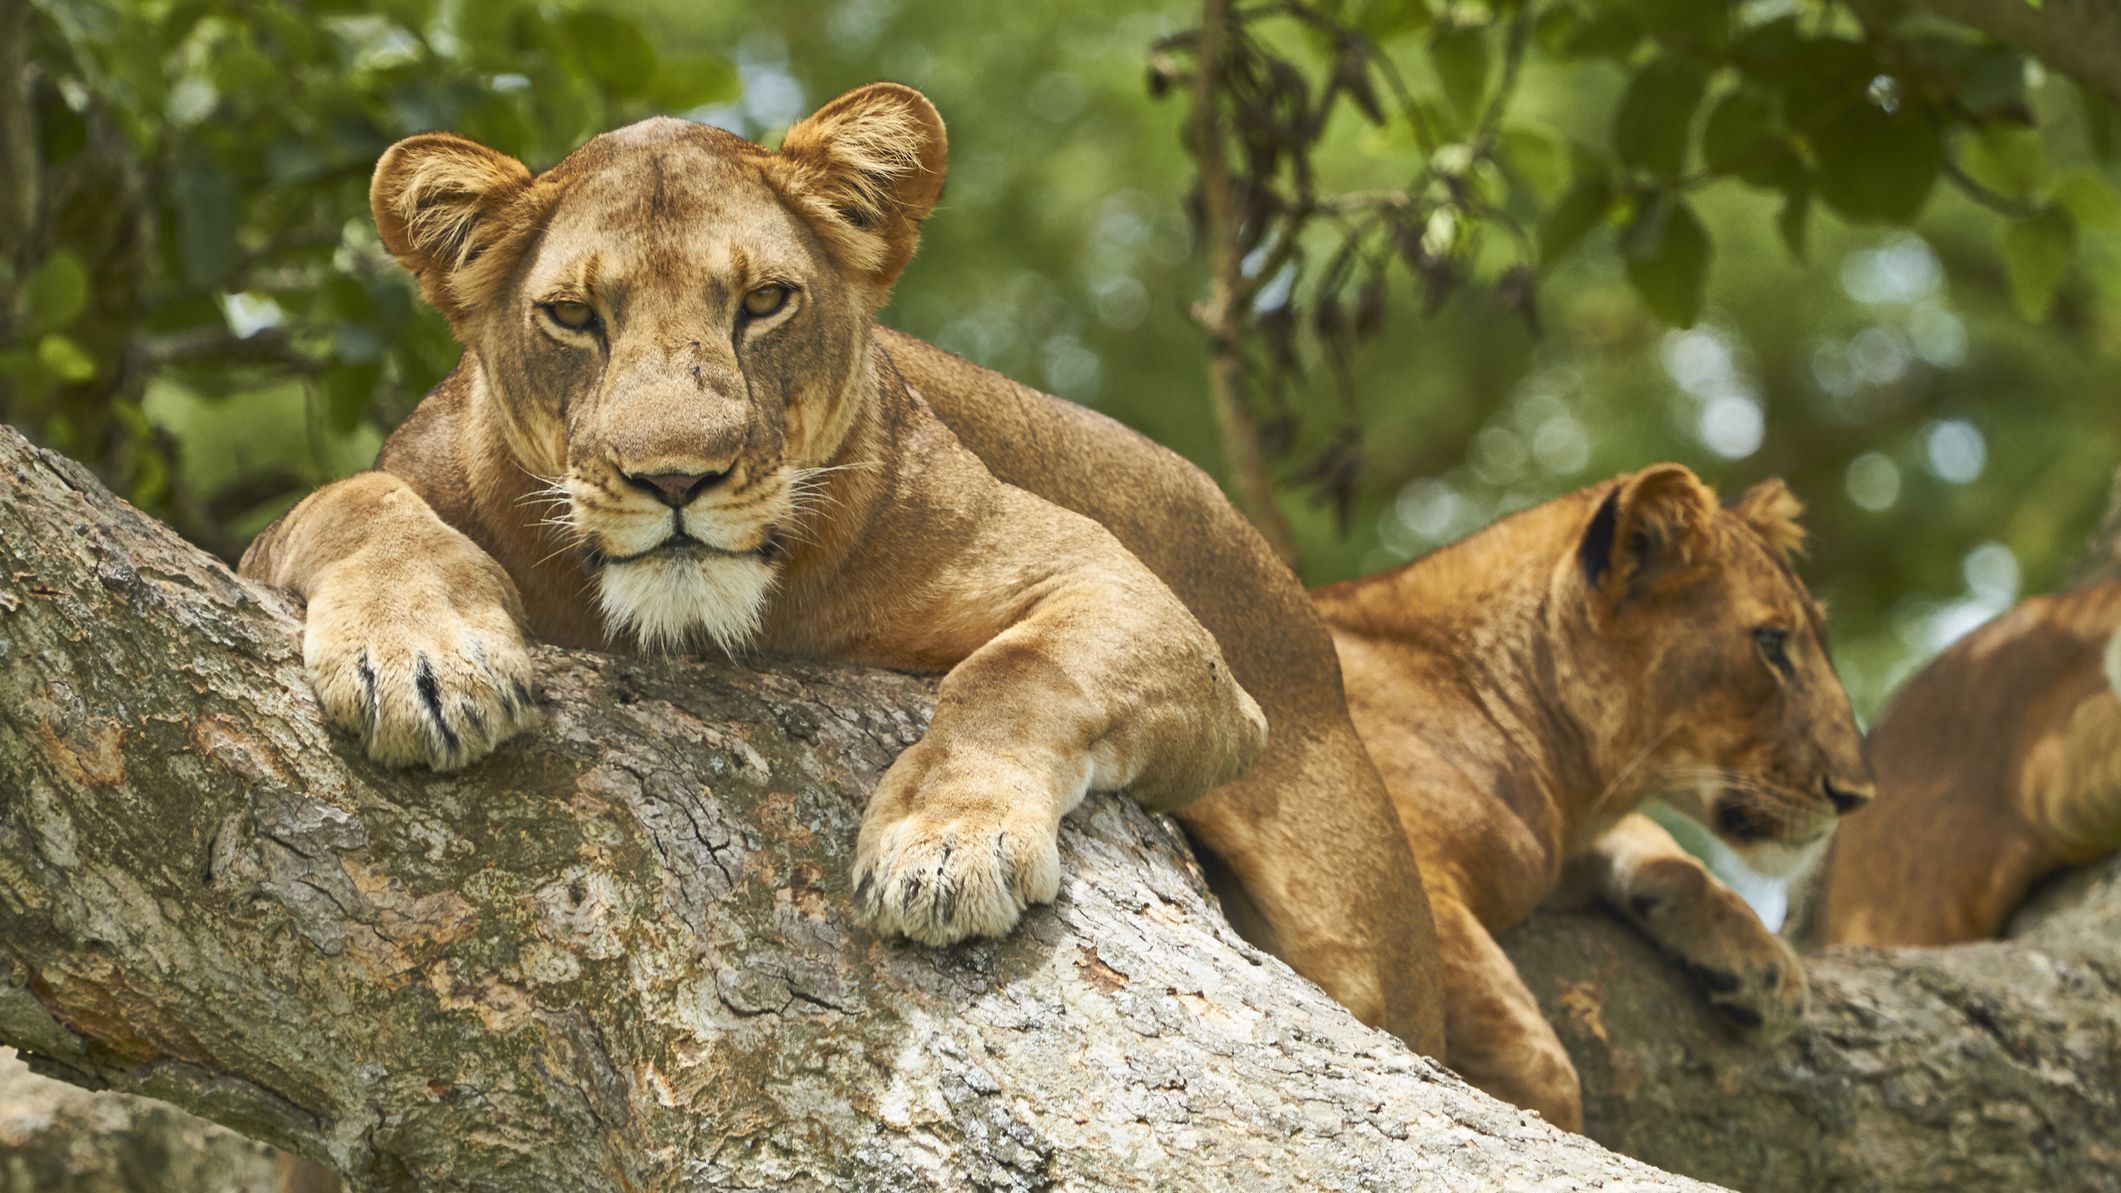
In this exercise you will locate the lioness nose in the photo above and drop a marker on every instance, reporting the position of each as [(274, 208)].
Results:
[(675, 489), (1848, 799)]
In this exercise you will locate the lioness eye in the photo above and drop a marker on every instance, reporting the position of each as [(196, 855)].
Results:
[(1773, 644), (765, 300), (574, 316)]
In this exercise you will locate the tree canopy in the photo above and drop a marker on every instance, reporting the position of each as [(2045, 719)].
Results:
[(1857, 245)]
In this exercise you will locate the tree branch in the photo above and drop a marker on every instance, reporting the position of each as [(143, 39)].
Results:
[(1983, 1066), (617, 955), (1222, 315), (2080, 38)]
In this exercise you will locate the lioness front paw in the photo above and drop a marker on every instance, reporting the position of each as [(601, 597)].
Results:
[(948, 853), (1747, 973), (433, 673)]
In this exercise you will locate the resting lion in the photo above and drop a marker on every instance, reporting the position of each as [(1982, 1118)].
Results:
[(675, 425), (1523, 691), (1998, 764)]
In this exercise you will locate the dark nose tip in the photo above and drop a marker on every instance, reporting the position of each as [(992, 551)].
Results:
[(1848, 798), (675, 489)]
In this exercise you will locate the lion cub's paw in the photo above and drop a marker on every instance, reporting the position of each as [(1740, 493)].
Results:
[(1747, 973), (941, 859), (431, 672)]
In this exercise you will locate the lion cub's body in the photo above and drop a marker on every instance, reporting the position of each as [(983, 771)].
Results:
[(1997, 764), (1524, 690)]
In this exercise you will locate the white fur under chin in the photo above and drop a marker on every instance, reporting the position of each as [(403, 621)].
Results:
[(669, 604)]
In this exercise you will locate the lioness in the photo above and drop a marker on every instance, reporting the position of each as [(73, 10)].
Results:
[(1998, 764), (1524, 690), (672, 427), (676, 299)]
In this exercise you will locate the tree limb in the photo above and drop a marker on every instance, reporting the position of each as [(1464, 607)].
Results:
[(616, 956), (1983, 1066), (2080, 38), (1222, 315)]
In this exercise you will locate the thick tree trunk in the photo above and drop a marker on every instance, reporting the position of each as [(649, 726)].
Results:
[(617, 956)]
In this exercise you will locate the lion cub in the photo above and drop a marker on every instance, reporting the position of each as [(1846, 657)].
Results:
[(1998, 764), (1524, 690), (674, 427)]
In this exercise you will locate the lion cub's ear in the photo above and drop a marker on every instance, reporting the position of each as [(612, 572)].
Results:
[(1647, 533), (866, 169), (1772, 510), (442, 203)]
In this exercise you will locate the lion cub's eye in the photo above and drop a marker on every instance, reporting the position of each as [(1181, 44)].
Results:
[(766, 300), (1774, 644), (574, 316)]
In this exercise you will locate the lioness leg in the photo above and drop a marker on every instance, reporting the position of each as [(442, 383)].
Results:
[(412, 637), (1080, 672), (1494, 1033), (1744, 970)]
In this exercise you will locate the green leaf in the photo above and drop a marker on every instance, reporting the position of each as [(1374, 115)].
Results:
[(2036, 256), (1605, 31), (1740, 128), (687, 81), (2005, 159), (348, 390), (1650, 128), (56, 292), (616, 54), (1794, 221), (206, 222), (66, 359), (1667, 253), (1570, 220), (1537, 160), (1460, 54), (2089, 199), (1993, 82), (1877, 166)]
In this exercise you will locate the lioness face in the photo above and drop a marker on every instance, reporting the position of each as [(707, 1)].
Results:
[(1760, 744), (674, 324)]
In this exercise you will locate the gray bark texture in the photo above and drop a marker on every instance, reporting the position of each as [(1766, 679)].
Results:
[(617, 955), (1980, 1066)]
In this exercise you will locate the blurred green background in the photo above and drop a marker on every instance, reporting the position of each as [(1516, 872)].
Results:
[(197, 304)]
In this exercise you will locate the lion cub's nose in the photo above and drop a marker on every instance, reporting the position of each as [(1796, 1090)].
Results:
[(1848, 798), (675, 489)]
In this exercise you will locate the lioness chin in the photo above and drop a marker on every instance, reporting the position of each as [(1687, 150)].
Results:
[(672, 428), (1523, 691)]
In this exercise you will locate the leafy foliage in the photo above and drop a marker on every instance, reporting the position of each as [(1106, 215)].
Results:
[(202, 226)]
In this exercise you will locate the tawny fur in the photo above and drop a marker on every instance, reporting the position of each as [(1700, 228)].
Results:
[(833, 515), (1998, 764), (1524, 691)]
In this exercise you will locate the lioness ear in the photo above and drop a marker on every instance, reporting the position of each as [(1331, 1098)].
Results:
[(443, 203), (866, 169), (1647, 532), (1771, 510)]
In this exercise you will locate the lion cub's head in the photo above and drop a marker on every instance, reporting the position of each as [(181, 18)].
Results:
[(672, 324), (1698, 604)]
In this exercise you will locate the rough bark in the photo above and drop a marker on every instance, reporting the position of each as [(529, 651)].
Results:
[(1985, 1066), (617, 956)]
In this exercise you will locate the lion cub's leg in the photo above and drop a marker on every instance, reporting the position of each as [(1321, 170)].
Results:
[(1494, 1033), (412, 637), (1746, 972)]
